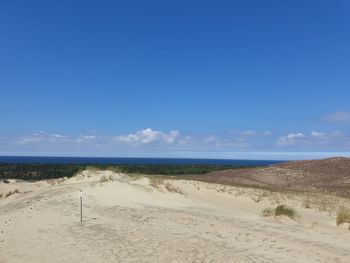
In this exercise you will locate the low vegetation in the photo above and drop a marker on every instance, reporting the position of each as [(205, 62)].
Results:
[(268, 212), (156, 182), (286, 211), (10, 193), (343, 216), (38, 171), (173, 189), (280, 210), (51, 171), (104, 178), (174, 169), (307, 203)]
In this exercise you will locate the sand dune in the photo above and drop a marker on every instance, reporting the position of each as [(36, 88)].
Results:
[(327, 175), (128, 219)]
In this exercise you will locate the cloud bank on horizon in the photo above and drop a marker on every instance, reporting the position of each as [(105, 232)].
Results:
[(149, 142)]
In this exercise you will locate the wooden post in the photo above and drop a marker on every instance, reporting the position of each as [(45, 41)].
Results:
[(81, 205)]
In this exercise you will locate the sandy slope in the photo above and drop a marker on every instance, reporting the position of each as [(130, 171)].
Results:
[(331, 175), (129, 220)]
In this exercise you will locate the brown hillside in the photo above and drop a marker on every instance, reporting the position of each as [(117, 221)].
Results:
[(328, 175)]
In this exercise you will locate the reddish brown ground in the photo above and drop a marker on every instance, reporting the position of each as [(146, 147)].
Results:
[(328, 175)]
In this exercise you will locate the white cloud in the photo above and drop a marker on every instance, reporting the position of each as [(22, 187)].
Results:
[(246, 140), (42, 137), (90, 139), (248, 133), (87, 137), (315, 139), (211, 139), (59, 135), (252, 133), (338, 117), (267, 133), (30, 139), (317, 134), (337, 134), (290, 139), (293, 136), (148, 136)]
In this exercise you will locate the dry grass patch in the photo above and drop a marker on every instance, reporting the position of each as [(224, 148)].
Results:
[(156, 182), (343, 216), (105, 178), (323, 202), (259, 197), (280, 210), (307, 202), (11, 193), (58, 181), (160, 184), (268, 212), (173, 189), (283, 210)]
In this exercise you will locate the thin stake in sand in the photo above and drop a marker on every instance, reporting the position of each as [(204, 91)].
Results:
[(81, 205)]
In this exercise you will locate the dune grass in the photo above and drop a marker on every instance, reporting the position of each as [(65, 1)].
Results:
[(11, 193), (343, 216), (173, 189), (286, 211), (268, 212), (156, 181), (280, 210), (306, 202)]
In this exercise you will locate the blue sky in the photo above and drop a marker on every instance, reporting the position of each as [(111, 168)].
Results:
[(216, 79)]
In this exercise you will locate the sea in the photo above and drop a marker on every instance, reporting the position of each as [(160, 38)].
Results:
[(126, 160)]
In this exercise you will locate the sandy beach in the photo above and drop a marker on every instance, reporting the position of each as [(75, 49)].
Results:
[(138, 219)]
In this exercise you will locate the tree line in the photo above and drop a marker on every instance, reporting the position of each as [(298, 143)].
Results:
[(36, 171)]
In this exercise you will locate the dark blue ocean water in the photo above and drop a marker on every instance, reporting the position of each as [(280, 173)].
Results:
[(120, 160)]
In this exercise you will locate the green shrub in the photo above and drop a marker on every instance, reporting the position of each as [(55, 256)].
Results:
[(285, 210)]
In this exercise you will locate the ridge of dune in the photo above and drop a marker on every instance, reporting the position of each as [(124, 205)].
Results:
[(330, 176)]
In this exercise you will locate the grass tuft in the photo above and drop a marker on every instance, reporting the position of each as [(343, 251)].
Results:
[(286, 211), (173, 189), (343, 216), (307, 203), (268, 212), (279, 211), (11, 193), (156, 182), (104, 179)]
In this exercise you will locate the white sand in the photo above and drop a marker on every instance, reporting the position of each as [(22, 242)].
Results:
[(134, 221)]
